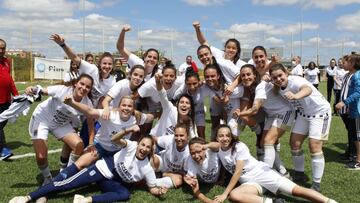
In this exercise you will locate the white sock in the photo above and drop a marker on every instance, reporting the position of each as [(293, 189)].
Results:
[(298, 160), (73, 157), (269, 156), (233, 124), (267, 200), (45, 171), (278, 147), (317, 165), (164, 182), (260, 153)]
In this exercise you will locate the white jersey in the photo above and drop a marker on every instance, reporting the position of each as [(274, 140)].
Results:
[(273, 103), (208, 171), (54, 111), (297, 70), (312, 75), (100, 87), (148, 89), (120, 89), (241, 153), (129, 168), (168, 119), (112, 126), (339, 73), (330, 71), (173, 160), (182, 68), (135, 60), (228, 69), (311, 105), (220, 54)]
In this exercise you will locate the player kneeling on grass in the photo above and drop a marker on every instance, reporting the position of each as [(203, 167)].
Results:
[(254, 175), (129, 165), (203, 164), (52, 115)]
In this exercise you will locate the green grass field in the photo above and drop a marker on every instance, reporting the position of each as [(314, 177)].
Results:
[(21, 176)]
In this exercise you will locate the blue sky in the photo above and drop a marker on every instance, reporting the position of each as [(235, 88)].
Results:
[(168, 26)]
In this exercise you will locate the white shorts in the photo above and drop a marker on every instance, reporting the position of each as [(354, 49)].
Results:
[(281, 120), (200, 118), (40, 130), (316, 127)]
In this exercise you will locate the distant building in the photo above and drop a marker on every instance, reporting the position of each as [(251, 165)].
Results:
[(22, 53)]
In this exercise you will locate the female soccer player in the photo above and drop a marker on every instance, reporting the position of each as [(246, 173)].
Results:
[(112, 174), (52, 115), (254, 175), (313, 121)]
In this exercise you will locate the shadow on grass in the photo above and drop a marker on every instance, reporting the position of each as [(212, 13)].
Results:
[(331, 155), (17, 144)]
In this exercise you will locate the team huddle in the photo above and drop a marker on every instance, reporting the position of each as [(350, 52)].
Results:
[(150, 126)]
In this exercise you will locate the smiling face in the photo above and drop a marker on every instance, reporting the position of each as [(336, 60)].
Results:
[(205, 56), (184, 106), (169, 77), (197, 152), (82, 88), (279, 78), (247, 76), (137, 76), (230, 50), (126, 108), (150, 60), (106, 66), (212, 77), (144, 148), (259, 58), (181, 138), (192, 84), (224, 137)]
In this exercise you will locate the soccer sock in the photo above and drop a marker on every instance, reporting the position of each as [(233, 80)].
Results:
[(317, 165), (267, 200), (45, 171), (165, 182), (260, 153), (66, 173), (278, 146), (298, 160), (269, 156), (63, 163), (73, 158)]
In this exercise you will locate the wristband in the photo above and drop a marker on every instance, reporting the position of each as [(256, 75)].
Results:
[(62, 45)]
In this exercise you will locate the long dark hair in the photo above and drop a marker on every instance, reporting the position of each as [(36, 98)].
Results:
[(237, 44), (192, 109), (131, 72), (218, 71), (250, 91), (156, 67), (234, 140)]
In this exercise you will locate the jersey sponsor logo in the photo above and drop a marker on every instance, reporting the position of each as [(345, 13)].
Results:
[(123, 172), (61, 117)]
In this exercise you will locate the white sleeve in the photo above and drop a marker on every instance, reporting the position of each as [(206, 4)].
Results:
[(229, 69), (142, 119), (88, 68), (165, 103), (149, 174), (260, 91), (164, 141), (115, 90), (241, 152), (56, 91), (181, 90), (217, 53), (134, 60), (190, 168), (145, 89), (238, 92)]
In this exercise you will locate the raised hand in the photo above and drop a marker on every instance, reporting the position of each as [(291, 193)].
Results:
[(126, 28), (57, 39), (196, 24)]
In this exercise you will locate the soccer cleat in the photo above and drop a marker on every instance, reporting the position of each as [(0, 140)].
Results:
[(47, 181), (315, 186), (299, 177), (5, 153), (79, 199), (20, 199), (353, 166)]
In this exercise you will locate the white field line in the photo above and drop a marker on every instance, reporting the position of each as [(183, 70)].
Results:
[(33, 154)]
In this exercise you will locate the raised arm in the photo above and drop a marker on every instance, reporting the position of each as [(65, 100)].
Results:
[(200, 36), (120, 44), (105, 103), (61, 42), (31, 90), (85, 109), (234, 179), (118, 137), (304, 91)]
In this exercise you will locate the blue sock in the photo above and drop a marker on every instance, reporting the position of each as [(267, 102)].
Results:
[(66, 173)]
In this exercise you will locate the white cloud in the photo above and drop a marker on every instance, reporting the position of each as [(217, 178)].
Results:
[(349, 22), (250, 27), (86, 5), (292, 29), (315, 40), (204, 2), (40, 8), (275, 41), (321, 4)]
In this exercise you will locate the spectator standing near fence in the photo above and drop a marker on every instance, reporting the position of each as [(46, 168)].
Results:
[(298, 69), (188, 63), (7, 88), (330, 78)]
